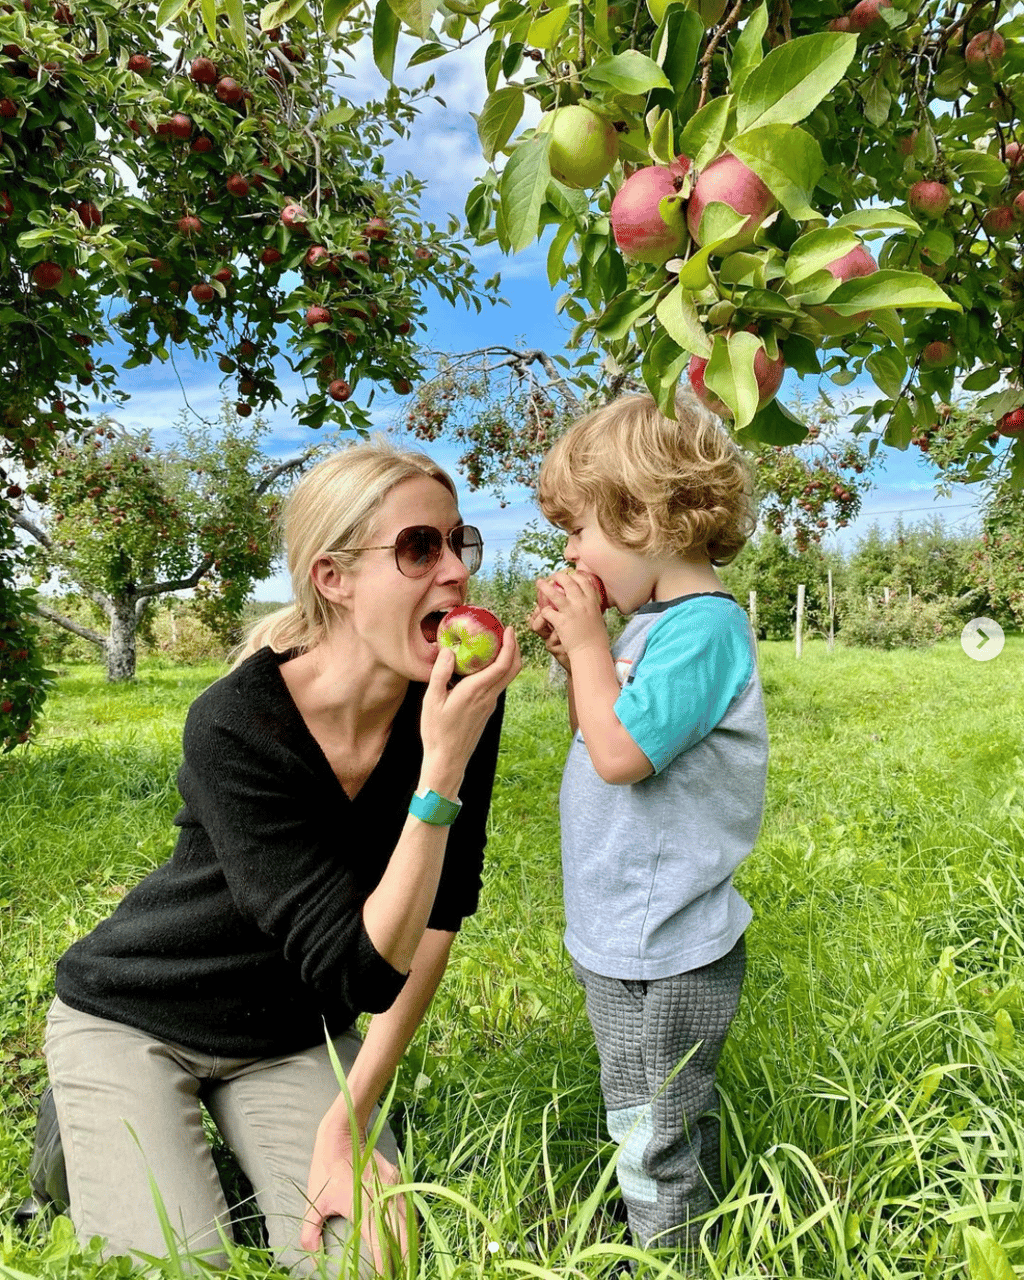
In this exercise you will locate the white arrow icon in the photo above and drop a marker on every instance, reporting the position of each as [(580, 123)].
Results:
[(982, 639)]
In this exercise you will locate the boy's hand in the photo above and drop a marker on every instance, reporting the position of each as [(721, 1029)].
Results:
[(571, 605)]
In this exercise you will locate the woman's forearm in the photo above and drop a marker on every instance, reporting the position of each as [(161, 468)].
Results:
[(389, 1033)]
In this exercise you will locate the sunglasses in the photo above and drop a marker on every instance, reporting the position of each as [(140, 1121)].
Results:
[(418, 548)]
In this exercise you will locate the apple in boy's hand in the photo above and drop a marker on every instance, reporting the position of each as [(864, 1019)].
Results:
[(594, 581), (473, 634)]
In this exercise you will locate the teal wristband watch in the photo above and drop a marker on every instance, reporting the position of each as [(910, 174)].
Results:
[(429, 807)]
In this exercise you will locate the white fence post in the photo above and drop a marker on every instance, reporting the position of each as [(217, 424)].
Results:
[(800, 619), (831, 614)]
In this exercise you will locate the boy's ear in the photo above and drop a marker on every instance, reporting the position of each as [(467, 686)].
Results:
[(334, 584)]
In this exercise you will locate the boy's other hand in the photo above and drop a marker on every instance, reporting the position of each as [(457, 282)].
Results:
[(549, 635)]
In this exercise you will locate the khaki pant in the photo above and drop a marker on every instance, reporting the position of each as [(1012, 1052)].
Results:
[(131, 1127)]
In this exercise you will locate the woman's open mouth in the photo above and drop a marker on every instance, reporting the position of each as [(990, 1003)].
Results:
[(430, 624)]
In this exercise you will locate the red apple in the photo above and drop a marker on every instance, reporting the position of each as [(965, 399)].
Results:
[(983, 54), (203, 71), (90, 215), (594, 581), (294, 217), (228, 90), (339, 390), (768, 373), (1012, 423), (189, 225), (728, 181), (203, 291), (270, 255), (47, 275), (376, 229), (474, 635), (237, 185), (864, 15), (317, 315), (140, 64), (929, 198), (938, 354), (180, 126), (1000, 220), (640, 231)]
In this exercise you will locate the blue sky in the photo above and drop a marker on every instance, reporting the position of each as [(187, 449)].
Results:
[(444, 152)]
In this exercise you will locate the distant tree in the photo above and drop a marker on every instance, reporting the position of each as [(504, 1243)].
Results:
[(771, 565), (126, 524)]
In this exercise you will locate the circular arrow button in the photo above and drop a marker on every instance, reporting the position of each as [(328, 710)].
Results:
[(982, 639)]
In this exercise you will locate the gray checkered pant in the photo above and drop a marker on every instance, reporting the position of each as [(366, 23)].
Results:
[(668, 1164)]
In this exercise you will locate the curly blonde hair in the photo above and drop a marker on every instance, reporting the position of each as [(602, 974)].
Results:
[(332, 509), (657, 485)]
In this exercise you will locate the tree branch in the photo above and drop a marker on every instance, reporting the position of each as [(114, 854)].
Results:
[(85, 632), (21, 521)]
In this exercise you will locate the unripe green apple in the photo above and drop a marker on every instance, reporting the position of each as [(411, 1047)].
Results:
[(584, 145)]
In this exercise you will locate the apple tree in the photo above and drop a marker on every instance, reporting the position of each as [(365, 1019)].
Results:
[(171, 178), (124, 523), (728, 189)]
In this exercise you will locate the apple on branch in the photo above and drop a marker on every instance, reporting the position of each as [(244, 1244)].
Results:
[(474, 634)]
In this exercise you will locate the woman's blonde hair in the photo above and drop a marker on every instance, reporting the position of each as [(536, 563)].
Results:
[(657, 485), (332, 508)]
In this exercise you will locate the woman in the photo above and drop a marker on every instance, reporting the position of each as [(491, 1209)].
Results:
[(317, 874)]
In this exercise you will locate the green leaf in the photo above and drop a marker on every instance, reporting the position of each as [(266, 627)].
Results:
[(701, 139), (208, 9), (168, 10), (802, 356), (497, 122), (888, 369), (900, 427), (982, 379), (793, 79), (787, 160), (334, 13), (815, 250), (385, 39), (416, 14), (235, 14), (678, 316), (729, 374), (873, 219), (278, 12), (556, 252), (427, 52), (986, 1257), (775, 425), (906, 290), (619, 317), (695, 274), (629, 72), (546, 31), (677, 45), (978, 166), (340, 115), (748, 52), (522, 187), (877, 101), (662, 147)]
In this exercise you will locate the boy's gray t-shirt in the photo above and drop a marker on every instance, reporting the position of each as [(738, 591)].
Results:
[(648, 866)]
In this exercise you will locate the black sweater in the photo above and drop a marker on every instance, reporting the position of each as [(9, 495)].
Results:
[(250, 937)]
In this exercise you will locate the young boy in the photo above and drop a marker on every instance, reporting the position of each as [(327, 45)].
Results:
[(663, 789)]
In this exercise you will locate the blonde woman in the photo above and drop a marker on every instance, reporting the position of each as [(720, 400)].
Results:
[(323, 866)]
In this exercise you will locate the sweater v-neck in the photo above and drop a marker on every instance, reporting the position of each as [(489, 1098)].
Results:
[(413, 695)]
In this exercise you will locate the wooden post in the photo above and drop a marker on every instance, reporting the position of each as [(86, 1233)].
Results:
[(885, 591), (800, 619), (752, 611), (831, 614)]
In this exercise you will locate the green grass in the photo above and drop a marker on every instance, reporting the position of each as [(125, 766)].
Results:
[(873, 1085)]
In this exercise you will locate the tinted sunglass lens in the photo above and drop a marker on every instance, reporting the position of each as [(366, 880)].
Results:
[(468, 546), (418, 549)]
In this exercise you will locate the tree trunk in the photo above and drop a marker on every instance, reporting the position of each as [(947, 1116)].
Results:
[(121, 641)]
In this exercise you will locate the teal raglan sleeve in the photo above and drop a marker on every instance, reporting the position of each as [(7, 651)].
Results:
[(697, 659)]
